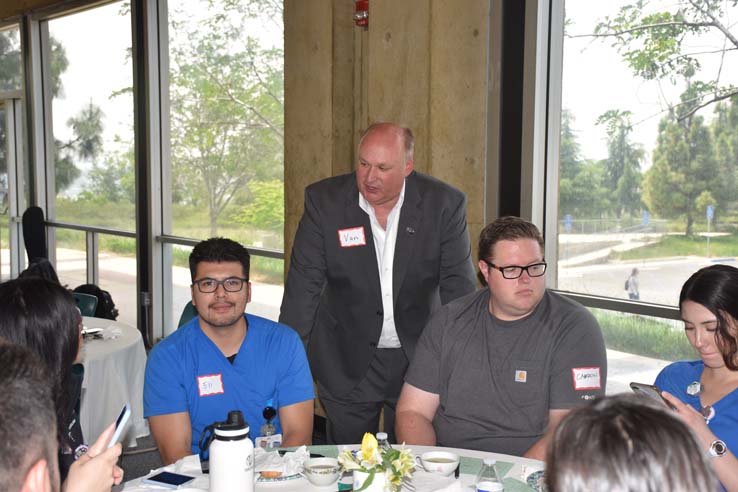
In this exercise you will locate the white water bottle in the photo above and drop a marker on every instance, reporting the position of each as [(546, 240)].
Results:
[(232, 456)]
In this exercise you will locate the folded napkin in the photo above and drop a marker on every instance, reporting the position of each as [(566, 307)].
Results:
[(289, 464), (423, 480)]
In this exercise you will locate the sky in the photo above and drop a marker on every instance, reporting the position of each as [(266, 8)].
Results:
[(596, 79)]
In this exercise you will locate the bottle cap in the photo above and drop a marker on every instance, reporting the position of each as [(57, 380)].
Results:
[(489, 461), (381, 436)]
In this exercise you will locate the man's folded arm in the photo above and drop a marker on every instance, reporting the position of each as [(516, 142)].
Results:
[(414, 416), (173, 435), (297, 423), (539, 448)]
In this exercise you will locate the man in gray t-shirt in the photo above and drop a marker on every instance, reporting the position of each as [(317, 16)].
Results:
[(498, 369)]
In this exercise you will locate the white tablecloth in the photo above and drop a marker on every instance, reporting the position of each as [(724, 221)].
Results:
[(114, 375), (423, 481)]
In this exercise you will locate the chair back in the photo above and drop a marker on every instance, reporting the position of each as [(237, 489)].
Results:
[(86, 303), (188, 313), (34, 233)]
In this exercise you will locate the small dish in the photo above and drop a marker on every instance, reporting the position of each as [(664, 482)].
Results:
[(261, 479), (536, 480)]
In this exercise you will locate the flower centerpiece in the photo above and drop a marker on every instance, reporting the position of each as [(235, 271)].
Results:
[(375, 468)]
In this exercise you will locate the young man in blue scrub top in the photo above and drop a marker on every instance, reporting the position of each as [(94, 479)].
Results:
[(224, 360)]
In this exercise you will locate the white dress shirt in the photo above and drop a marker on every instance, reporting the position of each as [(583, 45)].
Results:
[(384, 245)]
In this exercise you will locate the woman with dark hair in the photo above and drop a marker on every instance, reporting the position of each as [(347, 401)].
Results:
[(705, 391), (625, 443), (42, 316)]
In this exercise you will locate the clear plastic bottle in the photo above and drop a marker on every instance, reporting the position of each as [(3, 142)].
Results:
[(382, 441), (488, 480)]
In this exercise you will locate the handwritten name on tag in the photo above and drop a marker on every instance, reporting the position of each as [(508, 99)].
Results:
[(349, 238), (586, 378), (211, 384)]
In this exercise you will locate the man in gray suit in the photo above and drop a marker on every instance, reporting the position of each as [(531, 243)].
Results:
[(376, 250)]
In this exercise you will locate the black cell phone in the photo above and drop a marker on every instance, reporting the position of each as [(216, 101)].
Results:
[(652, 392), (168, 479), (312, 455)]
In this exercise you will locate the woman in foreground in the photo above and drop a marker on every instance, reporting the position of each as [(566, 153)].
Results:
[(705, 391), (42, 316), (625, 443)]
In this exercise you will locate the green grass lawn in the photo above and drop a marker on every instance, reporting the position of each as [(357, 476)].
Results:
[(720, 247), (643, 336)]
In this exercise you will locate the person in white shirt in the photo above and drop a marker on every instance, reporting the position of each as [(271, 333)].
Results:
[(375, 251)]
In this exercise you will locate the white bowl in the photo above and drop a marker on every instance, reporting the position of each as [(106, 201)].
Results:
[(321, 471), (440, 462)]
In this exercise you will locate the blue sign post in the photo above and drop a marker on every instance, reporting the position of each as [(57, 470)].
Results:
[(567, 222), (646, 218)]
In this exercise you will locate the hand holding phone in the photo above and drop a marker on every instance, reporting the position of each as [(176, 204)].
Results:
[(652, 392), (120, 424), (168, 479)]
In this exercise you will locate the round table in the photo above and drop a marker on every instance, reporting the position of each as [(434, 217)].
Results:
[(514, 469), (114, 374)]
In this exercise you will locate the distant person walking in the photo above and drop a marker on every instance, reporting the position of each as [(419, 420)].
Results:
[(631, 285)]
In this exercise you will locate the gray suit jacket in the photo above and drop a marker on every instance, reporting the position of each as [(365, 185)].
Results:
[(332, 296)]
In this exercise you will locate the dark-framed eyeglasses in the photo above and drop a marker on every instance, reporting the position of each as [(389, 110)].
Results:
[(514, 271), (209, 285)]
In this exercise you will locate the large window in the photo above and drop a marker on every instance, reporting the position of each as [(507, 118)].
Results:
[(11, 153), (648, 155), (647, 165), (92, 109), (227, 124)]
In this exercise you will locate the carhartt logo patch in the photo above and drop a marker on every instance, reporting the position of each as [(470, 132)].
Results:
[(521, 376), (210, 384), (586, 378), (352, 237)]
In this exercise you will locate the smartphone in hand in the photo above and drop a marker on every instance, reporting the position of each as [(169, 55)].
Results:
[(652, 392), (120, 424)]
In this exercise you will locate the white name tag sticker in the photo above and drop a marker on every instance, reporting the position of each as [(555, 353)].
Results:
[(211, 384), (350, 238), (586, 378)]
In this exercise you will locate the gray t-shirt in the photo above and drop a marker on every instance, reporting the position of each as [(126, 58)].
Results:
[(498, 379)]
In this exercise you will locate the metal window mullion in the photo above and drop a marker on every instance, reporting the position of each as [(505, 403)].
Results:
[(16, 200), (93, 259)]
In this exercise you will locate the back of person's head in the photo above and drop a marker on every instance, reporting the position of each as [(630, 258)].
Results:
[(716, 288), (219, 250), (507, 228), (27, 421), (42, 316), (40, 268), (625, 443)]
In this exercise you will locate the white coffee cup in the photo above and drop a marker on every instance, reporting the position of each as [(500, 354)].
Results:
[(441, 462), (490, 487), (321, 471)]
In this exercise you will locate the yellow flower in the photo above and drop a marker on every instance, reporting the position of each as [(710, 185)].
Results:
[(369, 446)]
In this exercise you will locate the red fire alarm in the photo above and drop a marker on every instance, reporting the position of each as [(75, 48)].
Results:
[(361, 13)]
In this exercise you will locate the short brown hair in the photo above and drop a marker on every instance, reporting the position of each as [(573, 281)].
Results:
[(507, 228)]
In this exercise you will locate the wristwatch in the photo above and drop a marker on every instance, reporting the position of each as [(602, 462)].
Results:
[(717, 448)]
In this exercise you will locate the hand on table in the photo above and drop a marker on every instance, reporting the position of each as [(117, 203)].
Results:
[(96, 470)]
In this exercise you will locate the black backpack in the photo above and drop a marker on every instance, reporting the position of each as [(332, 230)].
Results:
[(105, 305)]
